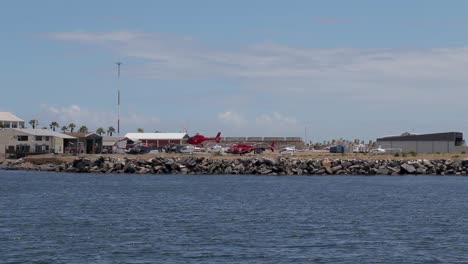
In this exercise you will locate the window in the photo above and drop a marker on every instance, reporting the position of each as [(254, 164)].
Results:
[(22, 148), (38, 138), (6, 124), (21, 124), (14, 125), (47, 138), (22, 138)]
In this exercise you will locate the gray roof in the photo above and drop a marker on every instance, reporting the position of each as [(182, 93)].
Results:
[(43, 132), (446, 136)]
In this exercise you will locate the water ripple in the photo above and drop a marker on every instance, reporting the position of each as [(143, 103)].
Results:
[(76, 218)]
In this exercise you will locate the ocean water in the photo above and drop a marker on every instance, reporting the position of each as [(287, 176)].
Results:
[(96, 218)]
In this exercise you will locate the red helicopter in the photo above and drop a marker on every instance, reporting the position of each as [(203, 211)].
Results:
[(198, 139), (247, 148)]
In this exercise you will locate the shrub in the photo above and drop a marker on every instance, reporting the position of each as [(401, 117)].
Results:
[(463, 152), (396, 154), (403, 154), (413, 153), (455, 157)]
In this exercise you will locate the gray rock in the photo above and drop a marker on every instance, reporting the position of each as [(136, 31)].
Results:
[(336, 168), (129, 168), (427, 163), (408, 168), (383, 171)]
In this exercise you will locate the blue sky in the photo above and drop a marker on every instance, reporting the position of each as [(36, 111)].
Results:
[(351, 69)]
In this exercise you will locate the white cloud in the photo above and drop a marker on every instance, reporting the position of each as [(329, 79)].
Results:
[(376, 85), (231, 118), (65, 115), (276, 124), (276, 119), (178, 57)]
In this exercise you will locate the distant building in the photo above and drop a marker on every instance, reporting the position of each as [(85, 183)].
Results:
[(111, 144), (9, 120), (83, 142), (18, 142), (448, 142), (158, 139)]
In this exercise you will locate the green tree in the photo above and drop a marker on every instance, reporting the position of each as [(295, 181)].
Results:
[(100, 131), (72, 127), (53, 125), (64, 129), (34, 123), (110, 130), (140, 130), (83, 129)]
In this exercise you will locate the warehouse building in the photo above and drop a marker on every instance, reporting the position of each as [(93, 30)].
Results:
[(447, 142)]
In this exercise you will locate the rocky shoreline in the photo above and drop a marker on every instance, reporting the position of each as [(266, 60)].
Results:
[(247, 166)]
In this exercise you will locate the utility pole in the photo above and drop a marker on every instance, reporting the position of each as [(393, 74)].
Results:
[(118, 97)]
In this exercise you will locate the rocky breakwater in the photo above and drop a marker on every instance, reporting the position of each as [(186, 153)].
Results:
[(250, 165)]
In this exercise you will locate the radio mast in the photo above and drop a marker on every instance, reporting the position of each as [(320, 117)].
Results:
[(118, 97)]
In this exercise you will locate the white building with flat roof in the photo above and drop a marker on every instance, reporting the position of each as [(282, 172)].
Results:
[(9, 120)]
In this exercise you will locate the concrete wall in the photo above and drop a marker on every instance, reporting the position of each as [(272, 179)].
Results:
[(423, 146)]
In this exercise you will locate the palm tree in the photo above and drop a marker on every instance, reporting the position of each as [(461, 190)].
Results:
[(34, 123), (100, 131), (83, 129), (64, 129), (110, 130), (71, 126), (54, 125), (140, 130)]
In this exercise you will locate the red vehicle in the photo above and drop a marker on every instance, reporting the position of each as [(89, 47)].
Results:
[(247, 148), (198, 139)]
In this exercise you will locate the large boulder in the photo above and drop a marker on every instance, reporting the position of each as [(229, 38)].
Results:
[(408, 168)]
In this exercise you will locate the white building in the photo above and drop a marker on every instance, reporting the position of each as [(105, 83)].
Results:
[(9, 120), (20, 142)]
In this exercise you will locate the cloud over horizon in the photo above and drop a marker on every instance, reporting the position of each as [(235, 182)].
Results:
[(93, 119), (346, 84)]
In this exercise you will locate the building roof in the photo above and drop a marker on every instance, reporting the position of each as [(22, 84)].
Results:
[(156, 136), (446, 136), (82, 134), (43, 132), (7, 116)]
